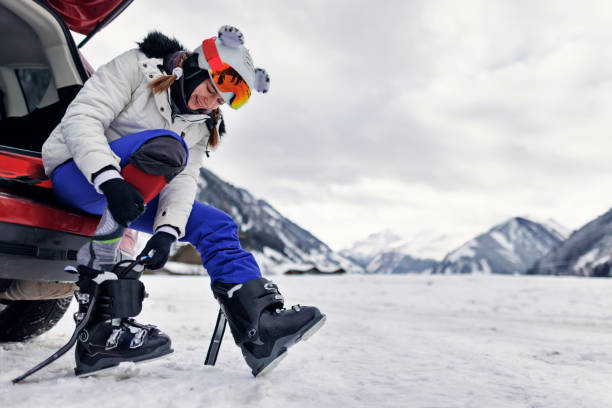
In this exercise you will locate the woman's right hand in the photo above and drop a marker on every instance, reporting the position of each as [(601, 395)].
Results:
[(125, 202)]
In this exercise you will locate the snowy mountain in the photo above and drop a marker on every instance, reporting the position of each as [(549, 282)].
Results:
[(362, 252), (277, 243), (587, 252), (508, 248), (395, 262), (386, 252)]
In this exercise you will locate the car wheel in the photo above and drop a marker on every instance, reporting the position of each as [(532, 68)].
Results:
[(23, 319)]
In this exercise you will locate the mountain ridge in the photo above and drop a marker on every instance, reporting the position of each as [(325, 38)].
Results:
[(510, 247), (587, 251)]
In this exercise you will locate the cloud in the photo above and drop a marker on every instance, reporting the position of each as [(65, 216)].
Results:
[(410, 114)]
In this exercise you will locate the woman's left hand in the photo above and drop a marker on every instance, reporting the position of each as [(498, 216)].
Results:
[(160, 244)]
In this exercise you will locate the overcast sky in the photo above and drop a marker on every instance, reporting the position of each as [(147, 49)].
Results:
[(436, 116)]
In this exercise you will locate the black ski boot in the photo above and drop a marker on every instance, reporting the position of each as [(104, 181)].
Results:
[(111, 336), (261, 327)]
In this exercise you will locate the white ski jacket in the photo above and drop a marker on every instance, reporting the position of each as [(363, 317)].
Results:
[(116, 102)]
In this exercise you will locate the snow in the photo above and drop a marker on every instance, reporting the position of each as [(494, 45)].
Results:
[(587, 258), (422, 244), (180, 268), (272, 212), (390, 341), (556, 228), (376, 264), (484, 266), (375, 243), (507, 249), (467, 250), (503, 241), (272, 262), (269, 265), (245, 226), (432, 244), (592, 259)]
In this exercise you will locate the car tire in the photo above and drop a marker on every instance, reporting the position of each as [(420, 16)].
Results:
[(24, 319)]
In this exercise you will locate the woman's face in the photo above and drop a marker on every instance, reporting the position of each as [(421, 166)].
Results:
[(205, 96)]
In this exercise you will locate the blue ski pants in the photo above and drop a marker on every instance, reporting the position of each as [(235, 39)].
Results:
[(212, 232)]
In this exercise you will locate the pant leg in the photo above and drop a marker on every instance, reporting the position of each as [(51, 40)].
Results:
[(71, 187), (215, 235)]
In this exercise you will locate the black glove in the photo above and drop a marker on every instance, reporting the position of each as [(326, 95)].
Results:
[(125, 202), (160, 243)]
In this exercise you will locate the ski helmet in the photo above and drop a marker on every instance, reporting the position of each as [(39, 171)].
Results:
[(230, 67)]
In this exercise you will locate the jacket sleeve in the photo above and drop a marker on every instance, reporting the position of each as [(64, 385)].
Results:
[(176, 199), (102, 98)]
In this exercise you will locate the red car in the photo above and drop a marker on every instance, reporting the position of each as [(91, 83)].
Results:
[(41, 71)]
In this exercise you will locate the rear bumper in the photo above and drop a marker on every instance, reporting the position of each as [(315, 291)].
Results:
[(37, 240), (37, 253)]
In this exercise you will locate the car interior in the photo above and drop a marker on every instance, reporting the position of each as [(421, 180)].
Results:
[(40, 73)]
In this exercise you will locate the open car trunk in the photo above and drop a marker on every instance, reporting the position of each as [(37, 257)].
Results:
[(41, 69), (40, 72)]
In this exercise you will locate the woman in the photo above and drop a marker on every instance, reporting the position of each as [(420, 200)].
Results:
[(129, 148)]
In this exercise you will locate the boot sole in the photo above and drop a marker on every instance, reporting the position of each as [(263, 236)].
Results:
[(108, 364), (263, 370)]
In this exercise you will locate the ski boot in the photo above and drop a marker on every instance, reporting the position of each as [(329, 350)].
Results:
[(111, 336), (261, 327)]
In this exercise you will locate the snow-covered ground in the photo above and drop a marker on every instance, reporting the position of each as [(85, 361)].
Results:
[(390, 341)]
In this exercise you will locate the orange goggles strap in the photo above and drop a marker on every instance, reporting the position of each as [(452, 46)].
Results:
[(211, 54), (219, 70)]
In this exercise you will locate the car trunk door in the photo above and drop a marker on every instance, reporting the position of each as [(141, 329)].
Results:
[(87, 17)]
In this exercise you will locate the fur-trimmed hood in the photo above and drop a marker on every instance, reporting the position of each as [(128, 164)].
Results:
[(158, 45)]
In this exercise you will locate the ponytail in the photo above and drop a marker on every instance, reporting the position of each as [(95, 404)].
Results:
[(164, 82), (214, 139)]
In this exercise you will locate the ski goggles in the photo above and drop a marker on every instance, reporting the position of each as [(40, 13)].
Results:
[(229, 83)]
